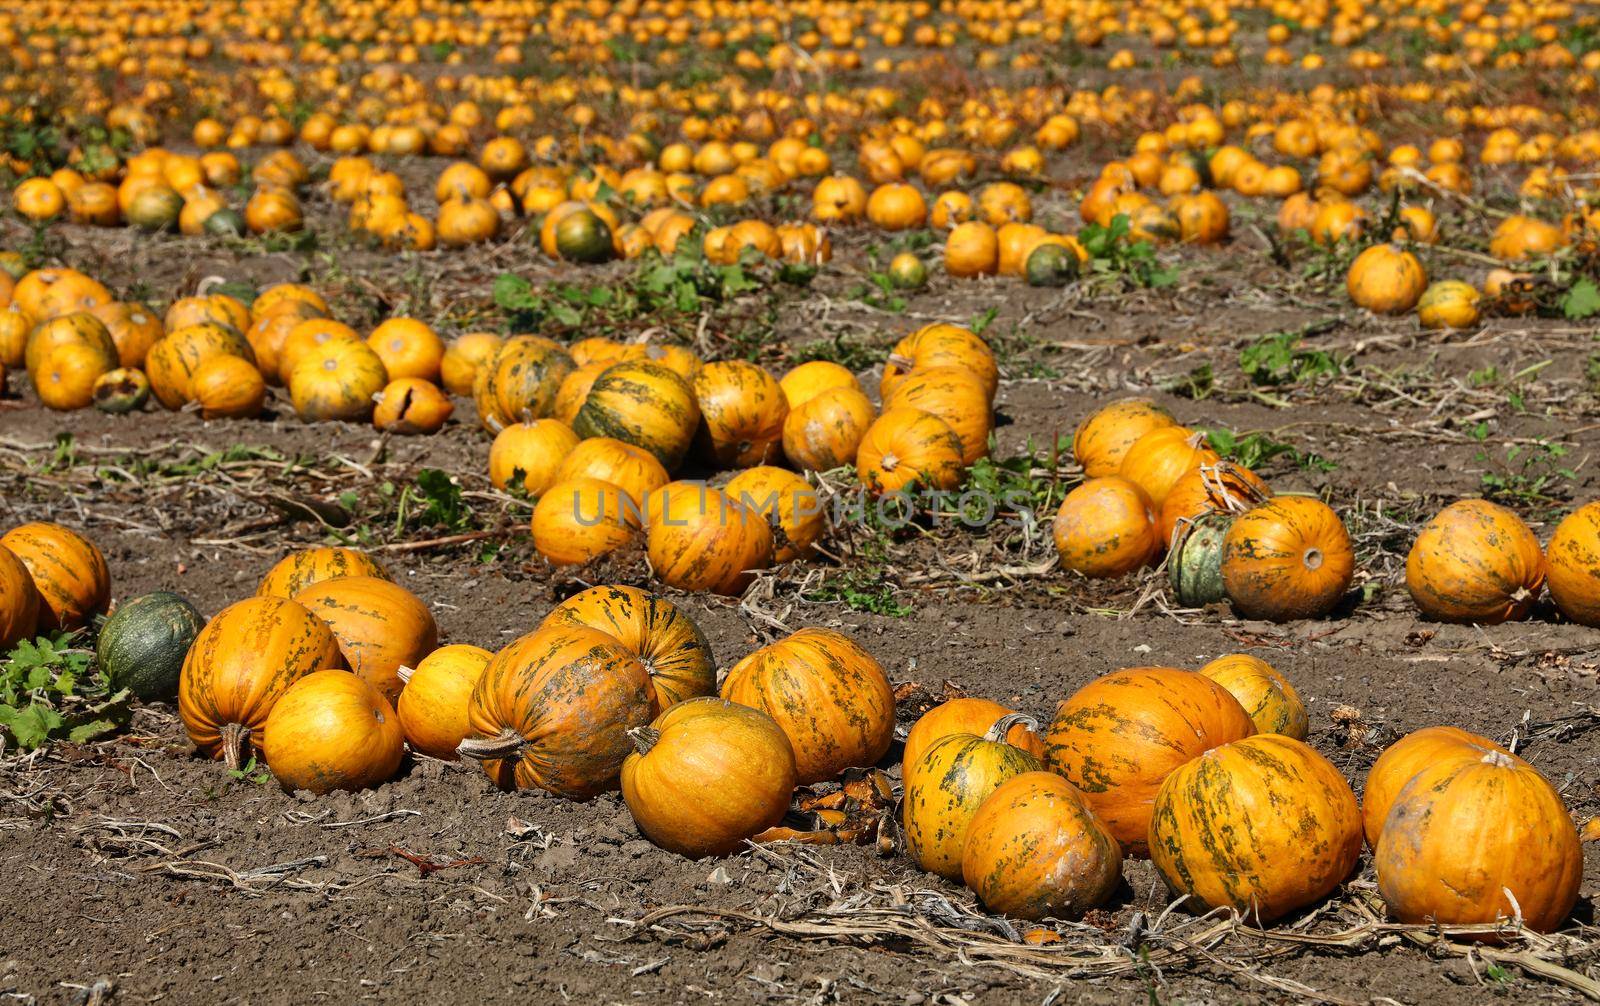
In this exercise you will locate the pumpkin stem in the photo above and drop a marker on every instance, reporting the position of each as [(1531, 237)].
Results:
[(404, 674), (1003, 725), (644, 738), (502, 745), (896, 360), (1313, 558), (234, 738), (1499, 759)]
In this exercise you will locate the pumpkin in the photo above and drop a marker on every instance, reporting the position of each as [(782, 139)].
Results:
[(1105, 436), (408, 348), (788, 504), (1475, 561), (299, 570), (582, 235), (1156, 461), (228, 387), (706, 776), (134, 328), (50, 293), (209, 309), (332, 730), (336, 380), (380, 626), (832, 699), (634, 470), (812, 378), (1386, 279), (948, 782), (1572, 564), (1105, 529), (580, 519), (19, 601), (528, 455), (897, 206), (940, 345), (1449, 303), (905, 446), (1035, 850), (241, 663), (967, 716), (433, 704), (657, 632), (742, 409), (971, 249), (1194, 560), (410, 406), (954, 395), (1474, 841), (1051, 264), (575, 388), (1263, 825), (1119, 736), (521, 382), (65, 377), (78, 328), (1266, 695), (553, 709), (698, 538), (1521, 237), (644, 404), (1223, 486), (67, 569), (173, 362), (825, 431), (307, 335), (1288, 558), (1402, 760), (15, 326), (142, 646), (907, 272), (464, 357)]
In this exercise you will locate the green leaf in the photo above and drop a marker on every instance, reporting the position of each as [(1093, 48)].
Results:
[(30, 726), (1582, 300)]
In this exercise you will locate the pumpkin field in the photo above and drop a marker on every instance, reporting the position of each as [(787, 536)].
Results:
[(898, 501)]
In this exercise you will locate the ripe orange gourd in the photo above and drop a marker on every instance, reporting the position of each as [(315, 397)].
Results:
[(644, 404), (411, 406), (1035, 850), (660, 634), (1478, 841), (228, 387), (632, 469), (825, 431), (464, 357), (1288, 558), (1103, 438), (832, 699), (1156, 461), (553, 709), (530, 454), (134, 328), (1118, 737), (433, 704), (792, 508), (967, 715), (336, 380), (381, 626), (581, 518), (1262, 825), (241, 663), (906, 445), (332, 730), (972, 249), (1223, 487), (19, 600), (954, 395), (1386, 279), (949, 782), (896, 206), (408, 348), (1572, 565), (742, 409), (67, 570), (307, 335), (1266, 695), (1105, 529), (698, 538), (940, 345), (1402, 760), (521, 382), (1475, 561), (812, 378), (706, 776), (299, 570)]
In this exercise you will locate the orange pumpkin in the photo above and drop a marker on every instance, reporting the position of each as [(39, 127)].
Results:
[(1266, 695), (1402, 760), (1475, 561), (1286, 559), (1572, 563), (528, 455), (241, 663), (336, 380), (1222, 487), (64, 377), (826, 430), (580, 519), (433, 704), (1156, 461), (633, 469), (173, 361), (68, 572), (742, 409), (1104, 437), (1105, 529), (575, 388), (1118, 737), (702, 747), (812, 378), (1035, 850), (644, 404), (940, 345), (552, 711), (971, 249), (947, 784), (307, 335), (411, 406), (19, 600), (793, 510), (299, 570), (967, 716), (380, 626), (954, 395), (332, 730), (656, 631), (521, 382), (1386, 279), (1262, 825), (228, 387), (464, 357), (408, 348), (134, 328), (832, 699), (904, 446), (698, 538)]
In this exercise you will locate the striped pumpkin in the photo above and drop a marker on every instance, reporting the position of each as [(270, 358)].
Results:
[(643, 404), (172, 362), (77, 329), (831, 697), (68, 571), (241, 664), (656, 631), (906, 446), (948, 783), (700, 539), (1477, 562), (954, 395), (825, 431), (580, 519), (1266, 695), (940, 345), (1119, 736), (967, 715), (299, 570), (1034, 850), (634, 470), (787, 502), (1288, 558), (1104, 437), (381, 626), (552, 711), (521, 382), (1263, 825), (1402, 760), (742, 410), (337, 381), (19, 601)]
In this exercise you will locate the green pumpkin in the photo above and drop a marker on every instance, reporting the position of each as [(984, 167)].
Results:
[(225, 223), (122, 391), (581, 236), (1194, 566), (143, 644), (1051, 265)]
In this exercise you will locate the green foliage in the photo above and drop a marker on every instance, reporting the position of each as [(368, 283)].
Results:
[(1029, 480), (1281, 359), (51, 690), (1582, 300), (1532, 474), (435, 501), (864, 585), (1253, 450), (1114, 251), (251, 772)]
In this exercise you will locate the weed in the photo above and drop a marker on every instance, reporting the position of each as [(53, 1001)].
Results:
[(1531, 474), (1281, 359), (50, 689), (435, 501), (865, 585), (1114, 251), (251, 772), (1253, 450)]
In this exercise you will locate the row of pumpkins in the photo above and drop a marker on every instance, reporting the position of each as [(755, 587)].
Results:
[(1152, 487), (331, 670)]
